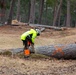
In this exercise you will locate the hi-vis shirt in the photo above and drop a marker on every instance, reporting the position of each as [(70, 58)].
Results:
[(33, 32)]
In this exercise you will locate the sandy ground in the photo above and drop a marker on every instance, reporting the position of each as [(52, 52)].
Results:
[(10, 38)]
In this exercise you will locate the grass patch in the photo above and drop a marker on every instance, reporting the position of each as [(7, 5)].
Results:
[(33, 56), (39, 56), (21, 55), (6, 53)]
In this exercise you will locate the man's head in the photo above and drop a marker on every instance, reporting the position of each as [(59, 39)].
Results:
[(38, 32)]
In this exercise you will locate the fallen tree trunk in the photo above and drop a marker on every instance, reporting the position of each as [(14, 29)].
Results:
[(49, 27), (58, 51)]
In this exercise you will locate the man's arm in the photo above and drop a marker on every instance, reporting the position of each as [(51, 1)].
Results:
[(33, 37)]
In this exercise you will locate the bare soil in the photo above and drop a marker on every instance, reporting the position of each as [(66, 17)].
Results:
[(10, 38)]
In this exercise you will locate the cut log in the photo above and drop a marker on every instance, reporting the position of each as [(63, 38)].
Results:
[(58, 51), (49, 27)]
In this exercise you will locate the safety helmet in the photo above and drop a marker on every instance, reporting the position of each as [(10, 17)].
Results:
[(38, 32)]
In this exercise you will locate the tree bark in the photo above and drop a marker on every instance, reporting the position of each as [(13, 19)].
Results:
[(2, 11), (29, 10), (58, 51), (59, 18), (32, 12), (75, 23), (41, 11), (68, 14), (18, 11), (56, 13), (46, 14), (9, 21), (49, 27)]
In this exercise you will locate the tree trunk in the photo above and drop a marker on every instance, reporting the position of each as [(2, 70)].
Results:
[(2, 11), (46, 14), (41, 11), (32, 12), (29, 6), (68, 14), (58, 51), (56, 13), (9, 21), (59, 18), (75, 23), (18, 11), (64, 22)]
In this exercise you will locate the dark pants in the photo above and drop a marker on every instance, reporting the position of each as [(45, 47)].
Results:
[(27, 42)]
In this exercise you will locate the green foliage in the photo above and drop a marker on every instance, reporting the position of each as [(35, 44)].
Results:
[(73, 12), (8, 4), (47, 14), (50, 2)]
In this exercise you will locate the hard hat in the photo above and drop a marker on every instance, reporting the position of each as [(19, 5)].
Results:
[(38, 32)]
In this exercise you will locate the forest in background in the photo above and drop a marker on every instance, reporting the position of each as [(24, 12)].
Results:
[(47, 12)]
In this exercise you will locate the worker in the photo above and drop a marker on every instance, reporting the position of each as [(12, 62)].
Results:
[(29, 36)]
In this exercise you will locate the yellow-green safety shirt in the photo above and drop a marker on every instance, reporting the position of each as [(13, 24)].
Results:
[(32, 31)]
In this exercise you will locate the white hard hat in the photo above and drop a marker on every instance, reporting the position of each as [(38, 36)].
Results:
[(38, 31)]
